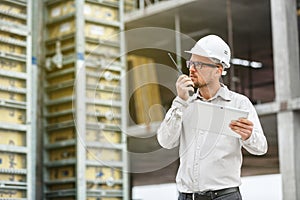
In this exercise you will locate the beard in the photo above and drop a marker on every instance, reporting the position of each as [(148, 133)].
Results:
[(201, 81), (200, 85)]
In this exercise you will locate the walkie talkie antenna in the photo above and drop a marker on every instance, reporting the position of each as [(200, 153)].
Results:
[(178, 68), (180, 72)]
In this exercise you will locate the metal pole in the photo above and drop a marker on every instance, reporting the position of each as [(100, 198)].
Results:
[(230, 41), (142, 4), (31, 107), (124, 86), (178, 41), (80, 100)]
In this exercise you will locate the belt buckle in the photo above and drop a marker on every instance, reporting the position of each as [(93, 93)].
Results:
[(194, 195), (204, 194)]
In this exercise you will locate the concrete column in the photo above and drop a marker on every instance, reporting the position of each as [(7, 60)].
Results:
[(287, 83)]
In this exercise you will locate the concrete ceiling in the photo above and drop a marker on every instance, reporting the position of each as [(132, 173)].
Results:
[(252, 36), (250, 18)]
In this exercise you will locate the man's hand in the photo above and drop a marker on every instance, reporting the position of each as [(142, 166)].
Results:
[(243, 127), (183, 85)]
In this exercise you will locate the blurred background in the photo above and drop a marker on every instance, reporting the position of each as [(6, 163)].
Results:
[(84, 85)]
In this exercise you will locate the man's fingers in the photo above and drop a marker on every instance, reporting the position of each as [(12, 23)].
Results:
[(184, 81), (188, 84), (245, 121), (243, 127), (239, 129), (181, 77), (183, 86)]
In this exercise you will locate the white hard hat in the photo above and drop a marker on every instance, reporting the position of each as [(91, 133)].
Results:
[(214, 47)]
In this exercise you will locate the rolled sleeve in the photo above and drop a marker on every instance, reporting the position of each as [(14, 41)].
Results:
[(168, 133), (256, 144)]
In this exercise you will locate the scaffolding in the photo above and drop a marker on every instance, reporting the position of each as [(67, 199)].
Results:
[(17, 120), (84, 144)]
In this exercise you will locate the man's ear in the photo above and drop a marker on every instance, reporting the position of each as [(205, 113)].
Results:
[(219, 70)]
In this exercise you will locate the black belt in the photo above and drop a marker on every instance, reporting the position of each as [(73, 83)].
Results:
[(210, 194)]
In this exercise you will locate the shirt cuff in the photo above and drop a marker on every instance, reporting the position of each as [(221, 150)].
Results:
[(179, 103), (251, 140)]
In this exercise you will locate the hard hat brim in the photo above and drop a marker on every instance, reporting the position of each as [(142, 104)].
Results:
[(204, 54), (197, 52)]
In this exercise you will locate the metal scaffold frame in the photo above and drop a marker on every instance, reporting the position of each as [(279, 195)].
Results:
[(80, 102), (32, 106), (123, 54), (29, 106)]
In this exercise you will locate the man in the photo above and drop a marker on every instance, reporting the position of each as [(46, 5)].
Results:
[(210, 163)]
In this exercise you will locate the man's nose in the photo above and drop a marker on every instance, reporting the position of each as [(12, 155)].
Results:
[(192, 68)]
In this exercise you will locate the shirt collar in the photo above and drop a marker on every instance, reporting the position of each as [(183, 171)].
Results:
[(223, 92)]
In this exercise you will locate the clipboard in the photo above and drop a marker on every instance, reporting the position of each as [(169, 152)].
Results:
[(216, 118)]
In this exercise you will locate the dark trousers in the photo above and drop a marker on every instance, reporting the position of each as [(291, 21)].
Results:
[(236, 195)]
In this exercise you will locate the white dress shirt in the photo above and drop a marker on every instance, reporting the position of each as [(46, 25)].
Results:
[(209, 161)]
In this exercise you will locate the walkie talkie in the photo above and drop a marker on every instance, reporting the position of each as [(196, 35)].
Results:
[(191, 93)]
